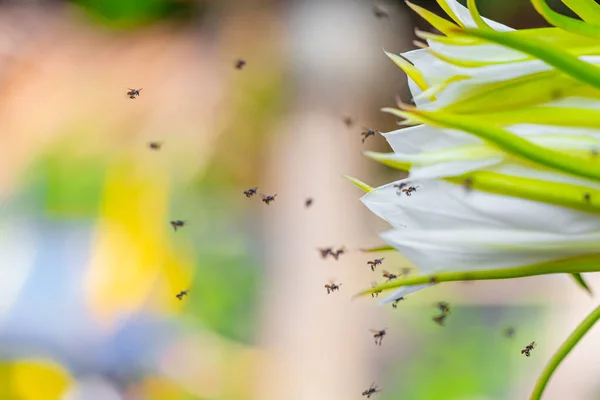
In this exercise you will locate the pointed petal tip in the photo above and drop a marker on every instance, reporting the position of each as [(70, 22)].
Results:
[(358, 183)]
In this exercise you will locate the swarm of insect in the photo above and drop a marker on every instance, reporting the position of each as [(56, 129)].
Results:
[(251, 192), (378, 335), (443, 307), (509, 332), (336, 254), (134, 92), (181, 294), (177, 224), (267, 199), (348, 121), (367, 133), (440, 319), (332, 286), (371, 390), (528, 349), (374, 263), (155, 145), (395, 303), (389, 275), (239, 64), (374, 285), (308, 202)]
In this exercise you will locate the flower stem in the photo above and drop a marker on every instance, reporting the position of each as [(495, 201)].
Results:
[(562, 352)]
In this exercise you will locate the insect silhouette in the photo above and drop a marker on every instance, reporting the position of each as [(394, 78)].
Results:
[(251, 192), (326, 251), (395, 303), (587, 197), (155, 145), (440, 319), (367, 133), (379, 12), (409, 190), (528, 349), (378, 335), (509, 332), (374, 263), (399, 187), (181, 294), (348, 121), (239, 64), (443, 307), (468, 184), (332, 287), (371, 390), (336, 254), (374, 285), (267, 199), (308, 202), (177, 224), (405, 271), (389, 275), (134, 92)]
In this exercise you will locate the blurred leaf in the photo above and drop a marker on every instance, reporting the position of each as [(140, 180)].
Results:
[(582, 283), (32, 380)]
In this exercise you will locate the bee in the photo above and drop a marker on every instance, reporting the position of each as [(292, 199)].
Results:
[(509, 332), (440, 319), (181, 294), (379, 12), (332, 286), (134, 92), (368, 132), (308, 202), (251, 192), (378, 335), (371, 390), (336, 254), (399, 187), (468, 184), (348, 121), (528, 348), (389, 275), (587, 197), (374, 285), (375, 263), (395, 303), (155, 145), (177, 224), (405, 271), (268, 199), (326, 251), (409, 190), (443, 307), (239, 64)]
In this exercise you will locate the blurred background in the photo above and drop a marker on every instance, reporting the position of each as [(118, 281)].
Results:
[(90, 266)]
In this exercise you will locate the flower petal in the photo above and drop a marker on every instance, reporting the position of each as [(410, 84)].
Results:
[(403, 291), (463, 14)]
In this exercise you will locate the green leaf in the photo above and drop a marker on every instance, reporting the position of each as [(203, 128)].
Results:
[(378, 249), (360, 184), (581, 282), (587, 10), (471, 4), (567, 23)]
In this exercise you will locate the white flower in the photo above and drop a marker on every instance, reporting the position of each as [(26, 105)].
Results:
[(504, 149)]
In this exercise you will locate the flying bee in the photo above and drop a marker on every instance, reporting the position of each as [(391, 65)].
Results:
[(371, 390), (439, 319), (395, 303), (251, 192), (134, 92), (332, 287), (389, 275), (267, 199), (509, 332), (379, 12), (468, 184), (375, 263), (587, 197), (378, 335), (348, 121), (374, 285), (239, 64), (405, 271), (443, 307), (528, 348), (326, 251), (336, 254), (177, 224), (399, 187), (308, 202), (368, 132), (181, 294), (155, 145), (409, 190)]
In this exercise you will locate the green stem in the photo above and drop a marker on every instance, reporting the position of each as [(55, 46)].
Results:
[(562, 352), (572, 265)]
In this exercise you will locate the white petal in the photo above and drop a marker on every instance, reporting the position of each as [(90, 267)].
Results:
[(446, 206), (403, 291), (420, 138), (464, 249), (463, 14)]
